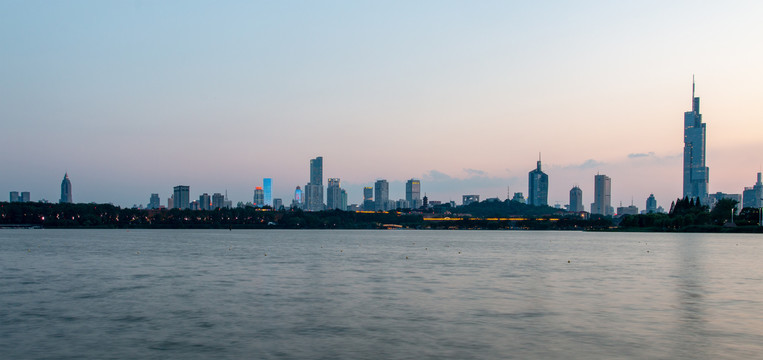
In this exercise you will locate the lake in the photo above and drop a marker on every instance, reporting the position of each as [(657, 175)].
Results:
[(394, 294)]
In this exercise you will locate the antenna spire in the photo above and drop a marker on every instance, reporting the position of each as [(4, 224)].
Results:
[(692, 87)]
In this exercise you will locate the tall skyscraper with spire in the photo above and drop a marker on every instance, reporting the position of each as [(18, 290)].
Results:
[(538, 187), (314, 189), (696, 174), (66, 190)]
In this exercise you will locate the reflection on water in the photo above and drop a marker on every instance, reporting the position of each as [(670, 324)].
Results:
[(379, 294)]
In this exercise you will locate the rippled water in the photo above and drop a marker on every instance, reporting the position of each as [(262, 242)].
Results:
[(379, 294)]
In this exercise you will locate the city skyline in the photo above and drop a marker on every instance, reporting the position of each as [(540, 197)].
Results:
[(460, 96)]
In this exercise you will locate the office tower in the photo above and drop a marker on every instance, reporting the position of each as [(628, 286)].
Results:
[(259, 197), (218, 201), (170, 202), (14, 196), (696, 174), (205, 202), (267, 187), (334, 195), (651, 204), (154, 201), (413, 193), (576, 199), (314, 189), (602, 196), (66, 190), (181, 197), (277, 204), (368, 199), (538, 187), (381, 195), (298, 195), (25, 196), (468, 199), (751, 196)]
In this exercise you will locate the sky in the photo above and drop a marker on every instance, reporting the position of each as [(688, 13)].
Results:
[(134, 97)]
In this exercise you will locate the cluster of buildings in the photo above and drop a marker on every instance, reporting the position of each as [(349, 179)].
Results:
[(376, 198)]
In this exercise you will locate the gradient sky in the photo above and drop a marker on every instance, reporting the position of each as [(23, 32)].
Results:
[(134, 97)]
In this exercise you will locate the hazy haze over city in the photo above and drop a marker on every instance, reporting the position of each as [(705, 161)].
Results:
[(134, 97)]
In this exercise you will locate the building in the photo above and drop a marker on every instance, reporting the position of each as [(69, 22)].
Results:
[(413, 193), (154, 202), (752, 195), (538, 187), (518, 197), (342, 200), (468, 199), (381, 195), (171, 202), (651, 204), (218, 201), (205, 202), (713, 199), (259, 197), (314, 189), (627, 210), (181, 197), (66, 190), (25, 196), (277, 204), (576, 200), (368, 199), (602, 196), (267, 187), (334, 195), (14, 196), (696, 174)]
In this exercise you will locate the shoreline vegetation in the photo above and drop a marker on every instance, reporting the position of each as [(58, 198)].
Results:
[(686, 215)]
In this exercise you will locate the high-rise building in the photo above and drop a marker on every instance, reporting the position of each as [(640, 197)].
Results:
[(259, 197), (602, 196), (181, 197), (334, 195), (298, 195), (14, 196), (218, 201), (576, 199), (154, 201), (538, 187), (267, 187), (413, 193), (66, 190), (277, 204), (171, 202), (468, 199), (381, 195), (205, 202), (696, 174), (368, 199), (651, 204), (751, 196), (25, 196), (314, 189)]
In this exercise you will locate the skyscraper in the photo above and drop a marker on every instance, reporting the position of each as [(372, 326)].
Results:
[(297, 202), (14, 196), (751, 196), (602, 196), (651, 204), (25, 197), (381, 195), (696, 174), (218, 201), (267, 187), (334, 195), (576, 199), (538, 187), (153, 202), (181, 197), (368, 199), (259, 197), (314, 189), (413, 193), (205, 202), (66, 190)]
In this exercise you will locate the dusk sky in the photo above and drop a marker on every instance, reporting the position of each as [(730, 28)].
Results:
[(134, 97)]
